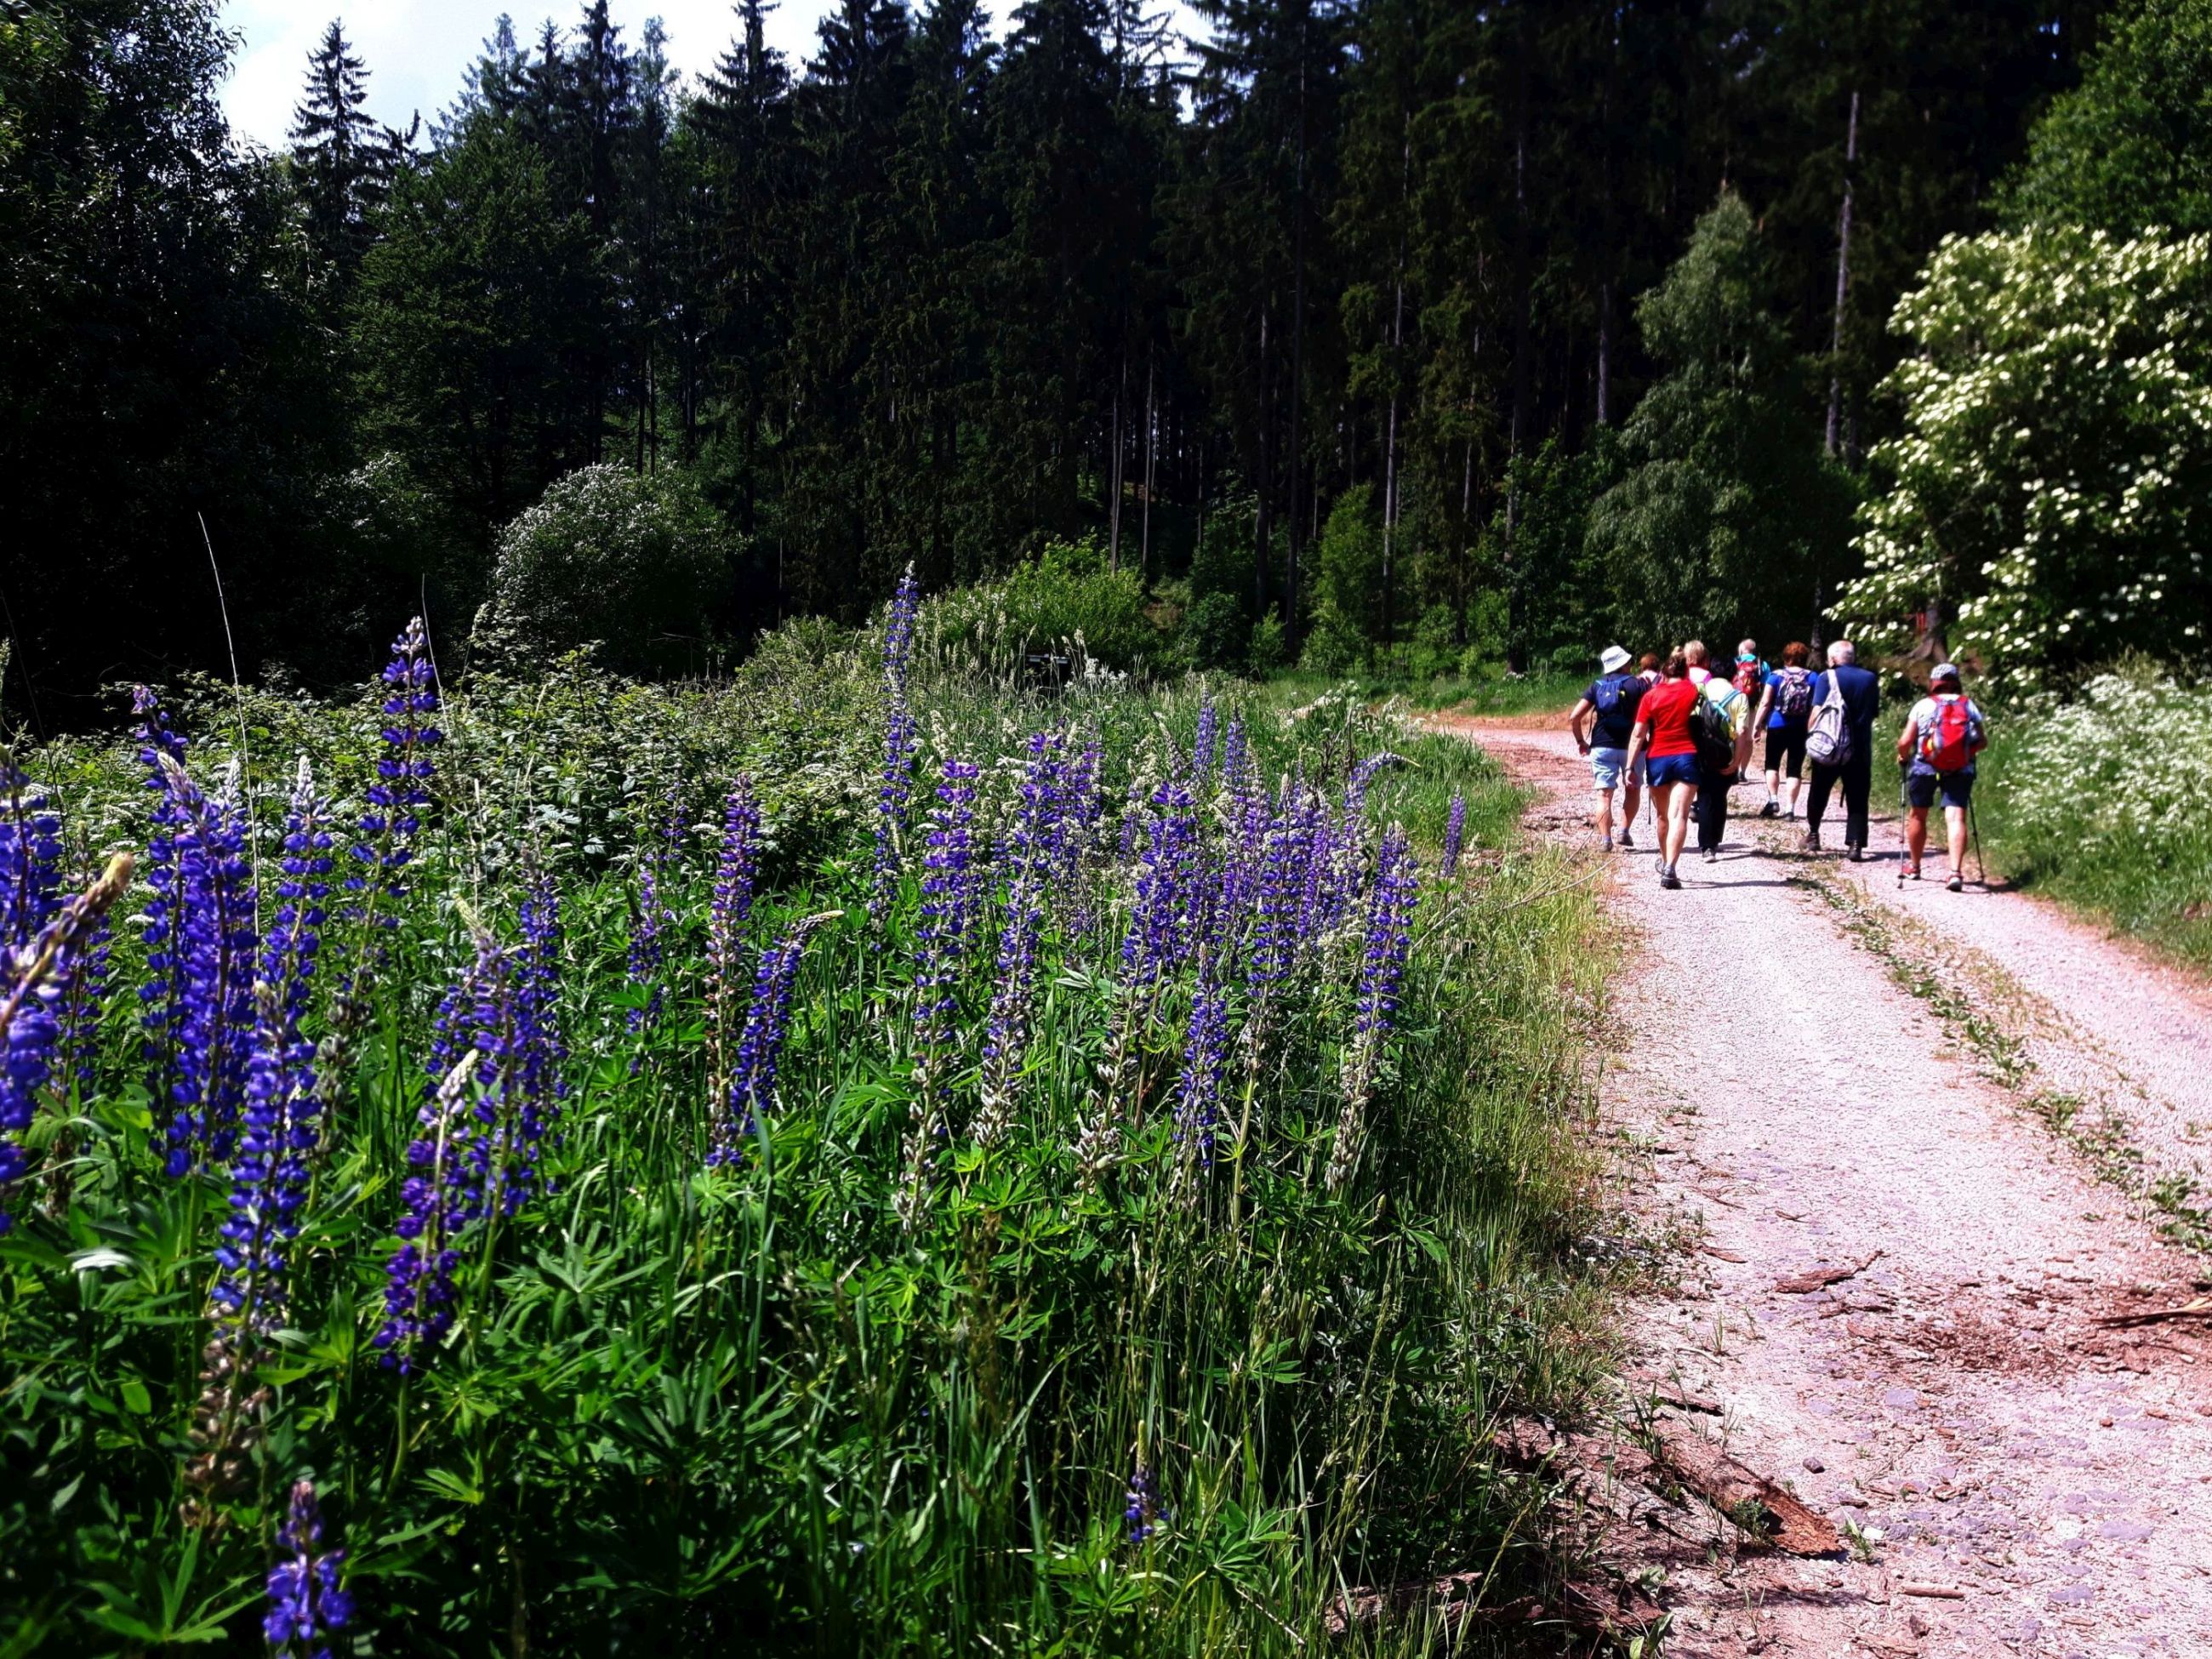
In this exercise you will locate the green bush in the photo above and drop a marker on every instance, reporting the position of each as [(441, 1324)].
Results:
[(1064, 599), (609, 558), (1269, 650), (1215, 634)]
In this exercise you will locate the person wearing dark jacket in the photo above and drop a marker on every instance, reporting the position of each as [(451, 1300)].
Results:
[(1862, 696)]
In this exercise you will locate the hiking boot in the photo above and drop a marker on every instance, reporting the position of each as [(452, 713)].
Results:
[(1771, 809), (1812, 840), (1957, 884), (1669, 880), (1608, 846), (1855, 853), (1627, 841)]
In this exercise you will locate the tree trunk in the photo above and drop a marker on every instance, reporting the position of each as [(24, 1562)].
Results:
[(1151, 446), (1298, 362), (1263, 527), (1842, 284)]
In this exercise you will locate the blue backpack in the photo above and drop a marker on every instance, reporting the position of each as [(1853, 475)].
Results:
[(1610, 692)]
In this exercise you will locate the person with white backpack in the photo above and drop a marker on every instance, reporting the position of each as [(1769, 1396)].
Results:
[(1840, 743), (1785, 712), (1602, 721), (1942, 734)]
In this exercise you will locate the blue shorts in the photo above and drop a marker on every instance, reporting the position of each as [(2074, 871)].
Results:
[(1660, 770), (1609, 769), (1920, 788)]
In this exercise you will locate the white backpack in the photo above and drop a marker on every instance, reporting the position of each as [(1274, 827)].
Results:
[(1828, 738)]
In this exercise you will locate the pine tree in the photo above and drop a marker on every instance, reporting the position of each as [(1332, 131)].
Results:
[(342, 160)]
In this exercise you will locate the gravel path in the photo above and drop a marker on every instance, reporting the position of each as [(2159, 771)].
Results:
[(1784, 1104)]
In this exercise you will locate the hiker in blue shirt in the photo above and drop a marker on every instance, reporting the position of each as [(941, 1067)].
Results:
[(1860, 693), (1785, 709), (1602, 722)]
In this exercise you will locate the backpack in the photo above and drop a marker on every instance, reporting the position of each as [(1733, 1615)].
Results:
[(1710, 730), (1950, 738), (1828, 738), (1610, 691), (1793, 694), (1749, 676)]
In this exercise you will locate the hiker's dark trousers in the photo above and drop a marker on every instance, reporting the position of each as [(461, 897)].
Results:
[(1712, 808), (1858, 777)]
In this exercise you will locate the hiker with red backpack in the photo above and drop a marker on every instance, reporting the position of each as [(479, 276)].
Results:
[(1942, 734), (1785, 710), (1602, 721)]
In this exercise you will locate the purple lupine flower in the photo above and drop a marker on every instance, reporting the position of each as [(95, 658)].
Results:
[(1454, 833), (894, 792), (1279, 898), (1385, 941), (1030, 855), (306, 1604), (1235, 752), (30, 860), (34, 981), (162, 994), (396, 799), (1363, 775), (81, 1000), (735, 873), (212, 937), (269, 1173), (419, 1291), (652, 916), (1201, 742), (1141, 1510), (540, 1050), (1160, 938), (1205, 1052), (950, 889), (760, 1050)]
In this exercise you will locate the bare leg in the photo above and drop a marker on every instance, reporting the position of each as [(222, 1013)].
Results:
[(1796, 794), (1674, 820), (1773, 784), (1604, 813), (1916, 833), (1954, 828), (1633, 803)]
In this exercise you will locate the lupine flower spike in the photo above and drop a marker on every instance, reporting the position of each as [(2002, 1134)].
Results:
[(307, 1606), (1031, 854), (735, 873), (1454, 833), (1382, 964), (33, 981), (760, 1051), (949, 894), (895, 791), (213, 941)]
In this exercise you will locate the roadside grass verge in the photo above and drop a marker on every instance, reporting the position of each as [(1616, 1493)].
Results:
[(1213, 1324)]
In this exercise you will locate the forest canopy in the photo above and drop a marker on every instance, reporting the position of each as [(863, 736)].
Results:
[(948, 297)]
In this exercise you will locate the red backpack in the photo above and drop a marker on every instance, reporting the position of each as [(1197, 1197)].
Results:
[(1950, 740)]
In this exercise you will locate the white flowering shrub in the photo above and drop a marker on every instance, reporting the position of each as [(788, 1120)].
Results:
[(2052, 488), (2115, 778), (609, 558)]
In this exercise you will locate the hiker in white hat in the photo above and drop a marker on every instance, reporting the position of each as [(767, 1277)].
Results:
[(1601, 722), (1942, 736)]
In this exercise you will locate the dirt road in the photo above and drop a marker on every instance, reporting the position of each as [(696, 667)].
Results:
[(1966, 1096)]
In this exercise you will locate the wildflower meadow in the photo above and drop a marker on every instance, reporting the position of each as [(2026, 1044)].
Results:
[(875, 1154)]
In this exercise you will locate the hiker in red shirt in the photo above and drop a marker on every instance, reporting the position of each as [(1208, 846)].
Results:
[(1662, 742)]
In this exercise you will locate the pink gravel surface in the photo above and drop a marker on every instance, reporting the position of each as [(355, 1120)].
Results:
[(1783, 1104)]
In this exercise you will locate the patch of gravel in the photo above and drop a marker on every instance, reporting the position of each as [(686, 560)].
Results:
[(1956, 1402)]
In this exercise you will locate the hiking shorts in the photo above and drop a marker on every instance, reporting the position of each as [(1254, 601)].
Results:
[(1660, 770), (1921, 788), (1609, 769), (1786, 750)]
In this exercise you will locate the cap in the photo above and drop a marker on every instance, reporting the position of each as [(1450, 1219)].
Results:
[(1747, 656), (1613, 659), (1946, 670)]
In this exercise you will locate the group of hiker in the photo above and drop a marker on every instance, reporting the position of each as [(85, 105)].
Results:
[(1687, 734)]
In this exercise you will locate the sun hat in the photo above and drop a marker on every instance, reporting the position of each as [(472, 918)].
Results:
[(1613, 659), (1947, 670)]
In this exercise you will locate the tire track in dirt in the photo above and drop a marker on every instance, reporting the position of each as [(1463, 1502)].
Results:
[(1784, 1104)]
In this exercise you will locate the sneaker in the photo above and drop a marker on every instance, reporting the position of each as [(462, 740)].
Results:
[(1911, 873), (1713, 856), (1669, 880), (1812, 840), (1957, 884), (1627, 841), (1608, 846), (1855, 853), (1791, 815), (1771, 809)]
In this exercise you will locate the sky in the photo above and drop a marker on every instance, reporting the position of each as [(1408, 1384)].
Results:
[(415, 50)]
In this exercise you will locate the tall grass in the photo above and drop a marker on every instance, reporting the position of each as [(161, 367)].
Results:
[(801, 1400)]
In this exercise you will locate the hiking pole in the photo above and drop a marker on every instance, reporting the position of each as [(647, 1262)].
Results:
[(1974, 838)]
